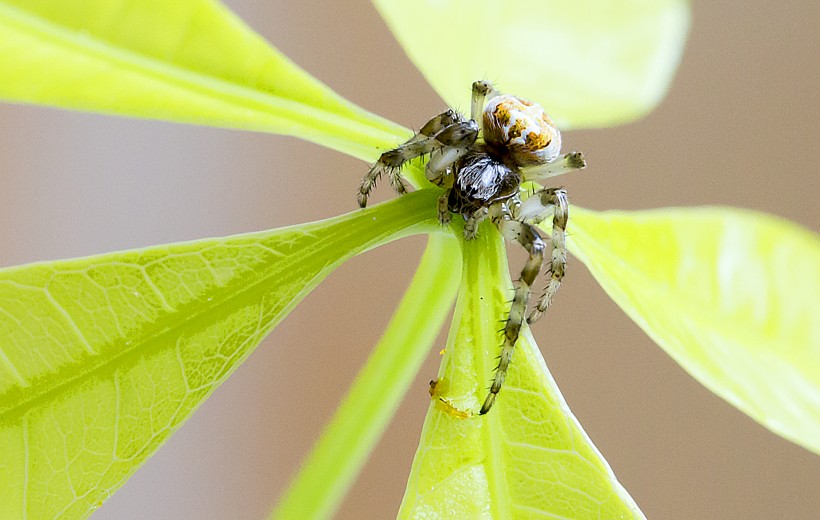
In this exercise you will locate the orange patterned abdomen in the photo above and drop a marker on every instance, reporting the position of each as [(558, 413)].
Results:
[(523, 127)]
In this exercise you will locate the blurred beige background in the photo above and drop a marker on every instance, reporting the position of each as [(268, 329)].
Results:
[(741, 127)]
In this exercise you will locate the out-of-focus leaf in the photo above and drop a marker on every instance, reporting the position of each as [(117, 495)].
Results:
[(528, 457), (190, 61), (590, 63), (103, 358), (731, 295), (373, 398)]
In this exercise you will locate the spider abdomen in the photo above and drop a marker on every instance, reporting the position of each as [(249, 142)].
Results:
[(522, 128)]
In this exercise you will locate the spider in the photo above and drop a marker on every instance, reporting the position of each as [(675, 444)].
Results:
[(481, 162)]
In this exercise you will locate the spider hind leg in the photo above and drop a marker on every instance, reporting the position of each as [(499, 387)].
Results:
[(536, 208), (526, 235)]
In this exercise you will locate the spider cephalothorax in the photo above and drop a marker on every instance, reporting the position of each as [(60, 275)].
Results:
[(481, 163)]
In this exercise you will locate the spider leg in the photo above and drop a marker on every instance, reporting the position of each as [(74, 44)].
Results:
[(459, 134), (430, 129), (481, 91), (471, 223), (536, 208), (391, 162), (569, 162), (443, 208), (526, 235), (437, 124), (456, 140), (439, 167)]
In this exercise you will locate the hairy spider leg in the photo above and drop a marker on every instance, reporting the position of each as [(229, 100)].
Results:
[(443, 208), (569, 162), (437, 124), (471, 224), (482, 90), (447, 129), (526, 235), (535, 209)]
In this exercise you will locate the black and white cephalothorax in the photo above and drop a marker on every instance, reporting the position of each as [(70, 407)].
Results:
[(481, 163)]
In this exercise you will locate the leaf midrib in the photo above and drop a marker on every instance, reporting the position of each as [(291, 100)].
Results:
[(485, 280), (415, 223)]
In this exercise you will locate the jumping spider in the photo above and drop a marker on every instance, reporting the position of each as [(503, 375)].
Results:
[(481, 162)]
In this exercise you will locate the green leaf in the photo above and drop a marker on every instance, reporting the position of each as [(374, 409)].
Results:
[(731, 295), (103, 358), (528, 457), (190, 61), (590, 63), (373, 399)]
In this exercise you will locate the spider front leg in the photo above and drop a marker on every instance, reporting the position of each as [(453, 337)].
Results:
[(447, 127), (526, 235), (535, 209)]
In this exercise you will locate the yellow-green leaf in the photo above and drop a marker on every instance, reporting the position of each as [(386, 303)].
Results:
[(731, 295), (362, 417), (190, 61), (590, 63), (103, 358), (528, 457)]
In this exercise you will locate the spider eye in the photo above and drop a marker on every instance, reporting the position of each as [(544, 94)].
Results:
[(523, 128)]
